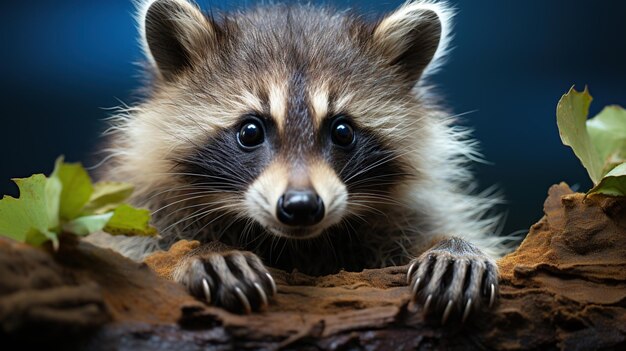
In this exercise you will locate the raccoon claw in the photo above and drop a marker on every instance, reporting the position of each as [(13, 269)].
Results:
[(451, 280), (262, 294), (467, 310), (272, 283), (409, 272), (235, 280), (244, 301), (429, 299), (446, 312), (207, 290)]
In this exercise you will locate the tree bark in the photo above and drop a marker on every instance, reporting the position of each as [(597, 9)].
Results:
[(563, 288)]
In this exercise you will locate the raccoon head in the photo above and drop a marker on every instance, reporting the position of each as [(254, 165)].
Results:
[(294, 117)]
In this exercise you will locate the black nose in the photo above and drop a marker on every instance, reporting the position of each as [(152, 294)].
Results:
[(300, 207)]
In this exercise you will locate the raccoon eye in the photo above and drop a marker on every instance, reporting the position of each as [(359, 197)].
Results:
[(342, 133), (251, 134)]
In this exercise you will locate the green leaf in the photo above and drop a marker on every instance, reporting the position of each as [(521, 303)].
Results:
[(107, 196), (53, 191), (607, 131), (76, 188), (36, 238), (87, 224), (571, 116), (599, 143), (128, 220), (47, 206), (26, 219), (613, 183)]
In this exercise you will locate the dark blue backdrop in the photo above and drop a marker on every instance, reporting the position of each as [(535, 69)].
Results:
[(62, 62)]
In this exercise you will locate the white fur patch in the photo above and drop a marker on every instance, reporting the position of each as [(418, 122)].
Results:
[(400, 22), (262, 196), (278, 103), (192, 24), (319, 102), (332, 191)]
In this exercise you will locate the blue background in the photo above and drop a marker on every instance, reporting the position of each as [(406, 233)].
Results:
[(63, 62)]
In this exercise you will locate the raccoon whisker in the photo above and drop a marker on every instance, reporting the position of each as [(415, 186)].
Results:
[(354, 158), (372, 200), (232, 174), (376, 195), (264, 235), (368, 208), (358, 216), (199, 175), (207, 212), (206, 157), (368, 188), (340, 173), (387, 175), (190, 197), (272, 245), (187, 187), (348, 223), (207, 192), (194, 206), (378, 163), (390, 157), (247, 230), (204, 160), (285, 242), (222, 232), (328, 240), (225, 180), (192, 217), (204, 207), (207, 224), (207, 176), (375, 202), (343, 224), (200, 216)]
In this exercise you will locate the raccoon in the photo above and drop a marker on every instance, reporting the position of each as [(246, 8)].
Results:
[(303, 138)]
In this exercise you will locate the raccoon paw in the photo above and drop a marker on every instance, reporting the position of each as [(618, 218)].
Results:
[(234, 280), (453, 278)]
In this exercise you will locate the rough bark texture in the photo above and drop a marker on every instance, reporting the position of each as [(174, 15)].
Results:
[(564, 288)]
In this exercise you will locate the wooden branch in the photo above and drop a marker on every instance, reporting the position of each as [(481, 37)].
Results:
[(565, 287)]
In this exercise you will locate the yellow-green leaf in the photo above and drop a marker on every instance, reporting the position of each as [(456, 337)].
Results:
[(53, 191), (26, 219), (613, 183), (128, 220), (607, 131), (76, 188), (68, 202), (107, 196), (36, 238), (571, 116), (87, 224)]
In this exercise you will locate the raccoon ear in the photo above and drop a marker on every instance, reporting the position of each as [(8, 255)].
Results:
[(174, 33), (414, 37)]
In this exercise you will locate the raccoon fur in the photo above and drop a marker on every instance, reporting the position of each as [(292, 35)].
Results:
[(302, 138)]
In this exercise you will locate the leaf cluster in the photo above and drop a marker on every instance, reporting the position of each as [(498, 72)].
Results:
[(599, 142), (67, 201)]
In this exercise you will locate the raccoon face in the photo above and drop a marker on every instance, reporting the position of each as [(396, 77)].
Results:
[(293, 117)]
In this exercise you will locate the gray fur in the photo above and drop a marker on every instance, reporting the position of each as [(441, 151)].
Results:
[(373, 71)]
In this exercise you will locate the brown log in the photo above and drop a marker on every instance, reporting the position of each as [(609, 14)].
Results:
[(563, 288)]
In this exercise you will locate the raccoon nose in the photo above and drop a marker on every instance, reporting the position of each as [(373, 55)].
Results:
[(300, 207)]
